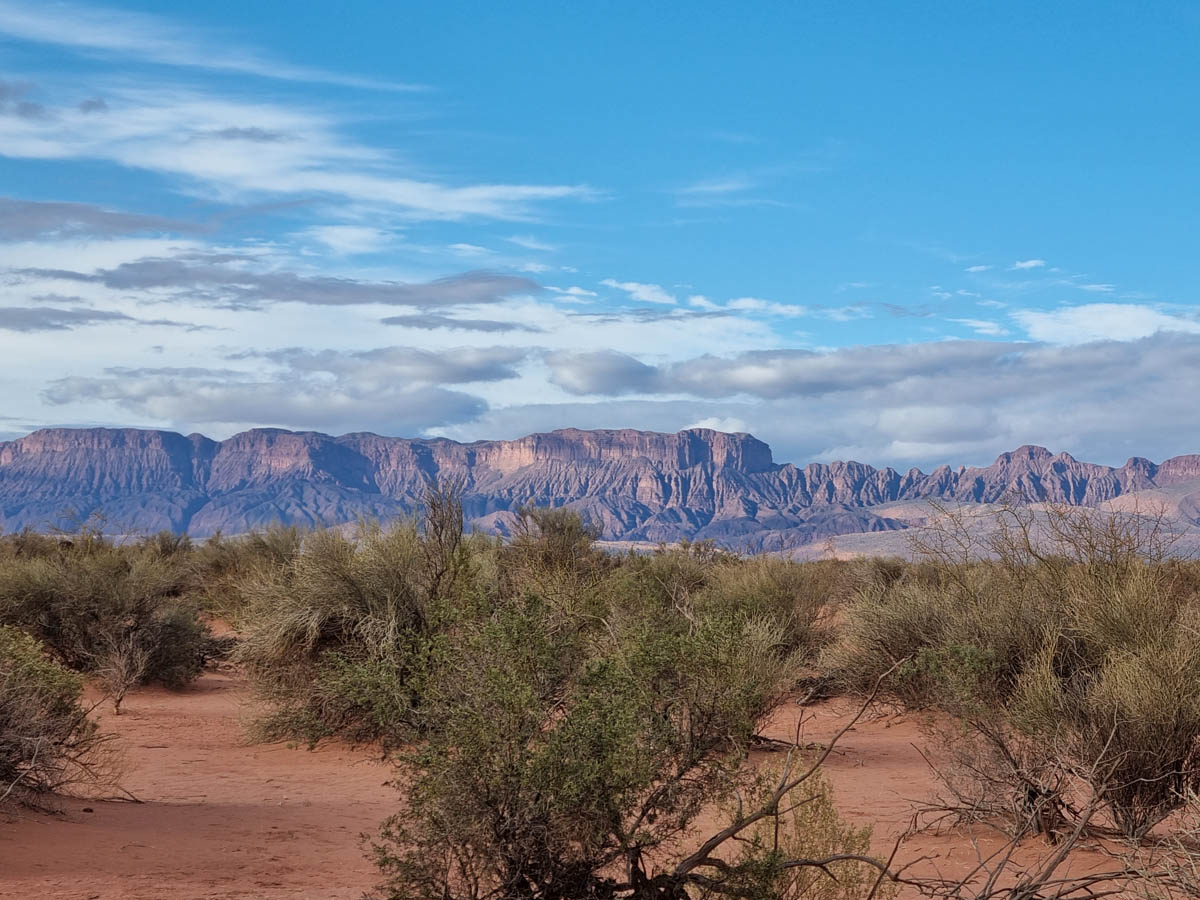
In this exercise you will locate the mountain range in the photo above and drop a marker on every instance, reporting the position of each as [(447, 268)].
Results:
[(638, 486)]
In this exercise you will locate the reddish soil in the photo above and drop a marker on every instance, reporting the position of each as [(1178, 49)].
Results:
[(880, 777), (225, 820), (220, 818)]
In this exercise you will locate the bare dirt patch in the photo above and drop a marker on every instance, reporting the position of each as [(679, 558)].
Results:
[(220, 818)]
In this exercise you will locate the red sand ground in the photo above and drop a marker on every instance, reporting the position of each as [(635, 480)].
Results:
[(221, 819), (224, 820)]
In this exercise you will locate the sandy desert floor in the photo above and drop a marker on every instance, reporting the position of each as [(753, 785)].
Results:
[(225, 820), (220, 818)]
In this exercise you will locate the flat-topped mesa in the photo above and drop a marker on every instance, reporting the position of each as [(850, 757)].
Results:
[(125, 442), (1177, 469), (108, 461), (681, 450), (263, 456)]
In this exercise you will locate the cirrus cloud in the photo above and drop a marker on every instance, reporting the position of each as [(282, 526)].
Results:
[(201, 139), (152, 39)]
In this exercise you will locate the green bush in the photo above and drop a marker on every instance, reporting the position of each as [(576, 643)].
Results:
[(339, 637), (47, 741), (1116, 691), (119, 611), (218, 568), (941, 621), (583, 714), (560, 750), (560, 714), (1077, 666), (798, 598)]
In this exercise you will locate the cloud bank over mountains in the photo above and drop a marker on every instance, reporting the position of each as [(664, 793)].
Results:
[(180, 331), (229, 337)]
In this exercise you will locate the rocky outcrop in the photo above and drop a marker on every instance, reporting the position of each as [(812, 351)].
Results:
[(638, 485)]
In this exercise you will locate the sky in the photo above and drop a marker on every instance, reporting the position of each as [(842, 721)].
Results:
[(907, 234)]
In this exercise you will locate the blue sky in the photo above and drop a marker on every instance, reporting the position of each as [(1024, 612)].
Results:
[(903, 233)]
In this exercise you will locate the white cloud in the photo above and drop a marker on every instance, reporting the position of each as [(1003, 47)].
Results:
[(84, 255), (349, 240), (842, 313), (1029, 264), (721, 423), (918, 424), (983, 326), (1098, 288), (529, 242), (1100, 322), (755, 304), (957, 402), (729, 185), (977, 268), (572, 294), (645, 293), (731, 190), (93, 29)]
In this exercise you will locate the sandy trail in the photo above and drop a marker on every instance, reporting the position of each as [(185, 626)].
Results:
[(221, 819)]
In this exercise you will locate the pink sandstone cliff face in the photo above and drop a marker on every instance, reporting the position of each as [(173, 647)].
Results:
[(642, 486)]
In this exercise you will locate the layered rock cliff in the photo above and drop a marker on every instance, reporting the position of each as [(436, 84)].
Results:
[(639, 486)]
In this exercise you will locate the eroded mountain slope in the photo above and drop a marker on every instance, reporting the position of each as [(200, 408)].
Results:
[(639, 486)]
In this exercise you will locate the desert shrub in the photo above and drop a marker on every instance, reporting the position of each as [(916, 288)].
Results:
[(219, 568), (339, 637), (167, 545), (102, 608), (974, 623), (798, 597), (47, 741), (694, 579), (1116, 691), (335, 636), (553, 553), (566, 753), (26, 544), (122, 662), (340, 633), (560, 715), (1071, 660), (582, 716), (809, 828), (551, 538)]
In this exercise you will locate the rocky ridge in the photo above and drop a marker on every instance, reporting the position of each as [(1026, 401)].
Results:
[(638, 485)]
